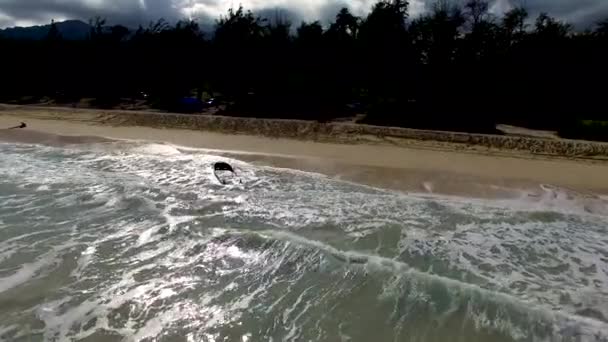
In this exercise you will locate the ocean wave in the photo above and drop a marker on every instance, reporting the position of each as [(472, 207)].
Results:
[(130, 240)]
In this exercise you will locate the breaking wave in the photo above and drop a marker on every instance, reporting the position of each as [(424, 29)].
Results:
[(136, 241)]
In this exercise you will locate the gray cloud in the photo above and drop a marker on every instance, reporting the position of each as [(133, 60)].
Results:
[(578, 12), (116, 11), (133, 12)]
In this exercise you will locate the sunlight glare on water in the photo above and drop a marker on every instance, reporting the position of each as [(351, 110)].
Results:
[(132, 241)]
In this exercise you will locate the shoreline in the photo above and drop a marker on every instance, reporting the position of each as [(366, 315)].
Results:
[(416, 167), (330, 132)]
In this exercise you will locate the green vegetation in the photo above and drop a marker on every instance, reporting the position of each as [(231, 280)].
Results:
[(453, 68), (586, 130)]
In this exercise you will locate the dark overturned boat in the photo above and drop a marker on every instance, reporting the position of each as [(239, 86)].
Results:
[(225, 173)]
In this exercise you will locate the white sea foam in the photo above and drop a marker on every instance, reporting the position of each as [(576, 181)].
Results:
[(152, 245)]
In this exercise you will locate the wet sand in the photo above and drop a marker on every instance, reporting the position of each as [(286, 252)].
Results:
[(414, 168)]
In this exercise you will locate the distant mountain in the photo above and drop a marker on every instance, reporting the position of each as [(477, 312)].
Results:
[(69, 29)]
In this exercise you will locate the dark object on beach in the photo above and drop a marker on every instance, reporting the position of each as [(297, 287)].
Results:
[(189, 105), (23, 125), (222, 168)]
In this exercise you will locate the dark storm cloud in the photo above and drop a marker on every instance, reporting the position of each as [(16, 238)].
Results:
[(133, 12), (280, 14), (577, 12), (581, 13), (117, 11)]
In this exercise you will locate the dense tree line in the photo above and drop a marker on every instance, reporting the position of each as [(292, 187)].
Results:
[(455, 67)]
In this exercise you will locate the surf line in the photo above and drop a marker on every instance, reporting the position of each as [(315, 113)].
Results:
[(357, 258)]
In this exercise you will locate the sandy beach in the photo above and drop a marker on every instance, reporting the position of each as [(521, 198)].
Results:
[(115, 214), (413, 166)]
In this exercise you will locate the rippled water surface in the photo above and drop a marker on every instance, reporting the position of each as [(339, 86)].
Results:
[(133, 241)]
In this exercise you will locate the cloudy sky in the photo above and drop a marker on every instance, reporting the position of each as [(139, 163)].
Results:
[(582, 13)]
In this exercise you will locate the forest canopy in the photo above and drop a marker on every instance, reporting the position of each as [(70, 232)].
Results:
[(456, 67)]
